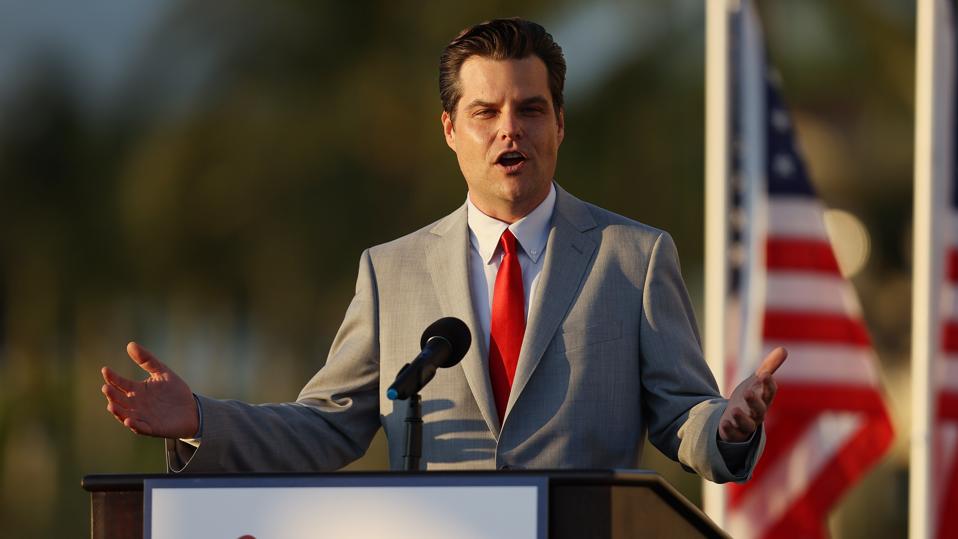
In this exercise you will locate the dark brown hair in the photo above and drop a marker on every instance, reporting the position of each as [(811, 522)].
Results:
[(500, 39)]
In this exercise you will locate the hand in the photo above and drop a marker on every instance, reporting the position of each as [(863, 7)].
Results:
[(161, 405), (751, 399)]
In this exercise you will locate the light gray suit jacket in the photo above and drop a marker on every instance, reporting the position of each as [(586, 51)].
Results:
[(611, 353)]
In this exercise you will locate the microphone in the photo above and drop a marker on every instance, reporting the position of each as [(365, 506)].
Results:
[(444, 343)]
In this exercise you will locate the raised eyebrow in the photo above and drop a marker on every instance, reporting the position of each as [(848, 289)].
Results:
[(479, 104), (537, 100)]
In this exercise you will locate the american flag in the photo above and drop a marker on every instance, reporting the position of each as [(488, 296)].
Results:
[(945, 448), (829, 423)]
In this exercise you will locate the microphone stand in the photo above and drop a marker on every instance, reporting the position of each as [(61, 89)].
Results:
[(413, 434)]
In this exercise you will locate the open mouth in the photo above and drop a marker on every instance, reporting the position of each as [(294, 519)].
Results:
[(511, 159)]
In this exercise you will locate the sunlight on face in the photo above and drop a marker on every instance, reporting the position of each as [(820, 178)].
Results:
[(506, 134)]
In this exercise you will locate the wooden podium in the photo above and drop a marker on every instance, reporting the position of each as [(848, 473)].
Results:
[(595, 504)]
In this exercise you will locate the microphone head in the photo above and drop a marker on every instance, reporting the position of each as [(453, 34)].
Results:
[(453, 330)]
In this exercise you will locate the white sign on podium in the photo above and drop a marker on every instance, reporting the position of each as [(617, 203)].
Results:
[(351, 506)]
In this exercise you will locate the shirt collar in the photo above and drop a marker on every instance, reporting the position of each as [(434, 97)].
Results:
[(532, 231)]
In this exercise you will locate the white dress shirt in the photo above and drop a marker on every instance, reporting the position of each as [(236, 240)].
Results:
[(532, 234)]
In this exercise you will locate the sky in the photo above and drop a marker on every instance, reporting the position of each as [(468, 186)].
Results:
[(95, 39)]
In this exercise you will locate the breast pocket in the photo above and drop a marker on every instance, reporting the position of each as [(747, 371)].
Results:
[(572, 338)]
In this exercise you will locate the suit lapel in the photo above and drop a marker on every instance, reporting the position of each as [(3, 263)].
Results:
[(448, 263), (568, 253)]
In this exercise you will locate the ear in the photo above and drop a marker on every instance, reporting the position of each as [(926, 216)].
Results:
[(560, 121), (449, 130)]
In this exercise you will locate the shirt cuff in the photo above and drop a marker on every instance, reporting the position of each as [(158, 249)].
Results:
[(196, 439)]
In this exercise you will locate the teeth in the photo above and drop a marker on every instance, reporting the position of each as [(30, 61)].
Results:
[(511, 155)]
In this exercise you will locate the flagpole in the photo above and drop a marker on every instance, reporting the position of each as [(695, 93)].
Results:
[(717, 167), (927, 258)]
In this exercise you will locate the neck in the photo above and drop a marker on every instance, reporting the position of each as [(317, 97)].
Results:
[(508, 213)]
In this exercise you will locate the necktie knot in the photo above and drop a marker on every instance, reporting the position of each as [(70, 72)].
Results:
[(508, 242)]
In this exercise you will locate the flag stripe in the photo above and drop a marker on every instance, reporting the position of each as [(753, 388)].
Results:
[(946, 436), (825, 363), (768, 496), (953, 265), (801, 254), (797, 407), (948, 527), (827, 397), (808, 514), (949, 331), (814, 327), (948, 405), (946, 373), (796, 218), (948, 296), (803, 291)]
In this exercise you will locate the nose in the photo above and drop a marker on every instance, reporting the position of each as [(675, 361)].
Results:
[(510, 126)]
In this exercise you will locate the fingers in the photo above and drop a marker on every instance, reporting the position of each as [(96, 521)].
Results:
[(117, 381), (128, 417), (744, 413), (117, 403), (736, 426), (756, 407), (138, 426), (743, 421), (770, 389), (728, 431), (118, 411), (145, 359), (115, 395), (771, 363)]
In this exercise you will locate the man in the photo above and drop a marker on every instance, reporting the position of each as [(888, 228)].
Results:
[(583, 336)]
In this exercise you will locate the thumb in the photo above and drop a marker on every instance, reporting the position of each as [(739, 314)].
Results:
[(771, 363), (145, 359)]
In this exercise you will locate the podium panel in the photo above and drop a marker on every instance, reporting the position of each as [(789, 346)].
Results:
[(598, 504), (424, 507)]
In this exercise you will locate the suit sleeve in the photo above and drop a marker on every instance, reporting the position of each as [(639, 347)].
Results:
[(681, 401), (331, 423)]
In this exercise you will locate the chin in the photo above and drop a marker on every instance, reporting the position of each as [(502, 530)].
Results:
[(525, 192), (515, 189)]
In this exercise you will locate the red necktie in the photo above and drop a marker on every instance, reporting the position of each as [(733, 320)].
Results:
[(508, 323)]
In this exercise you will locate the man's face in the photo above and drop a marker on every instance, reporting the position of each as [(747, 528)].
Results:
[(506, 134)]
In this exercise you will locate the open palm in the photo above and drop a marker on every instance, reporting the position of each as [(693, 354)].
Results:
[(161, 405)]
